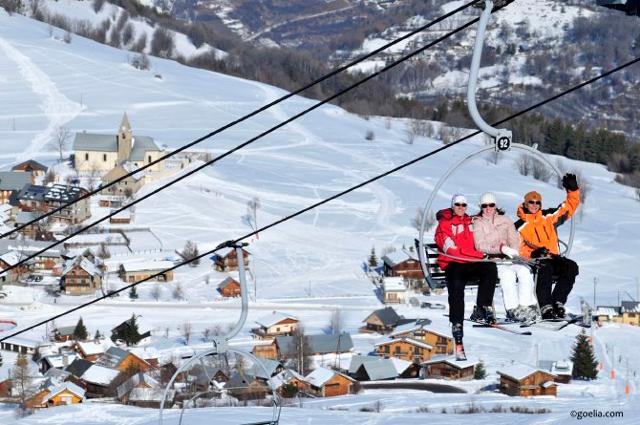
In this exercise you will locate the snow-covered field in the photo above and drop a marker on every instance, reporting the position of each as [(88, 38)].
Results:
[(309, 266)]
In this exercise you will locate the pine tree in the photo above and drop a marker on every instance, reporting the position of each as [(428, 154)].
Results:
[(373, 260), (80, 332), (97, 335), (133, 293), (131, 332), (480, 372), (583, 358)]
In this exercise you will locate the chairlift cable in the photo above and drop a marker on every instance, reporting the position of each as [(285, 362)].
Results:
[(243, 118), (326, 200)]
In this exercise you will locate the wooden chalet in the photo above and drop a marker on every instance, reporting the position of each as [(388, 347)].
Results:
[(63, 394), (406, 349), (628, 312), (91, 350), (100, 381), (134, 272), (374, 368), (229, 288), (225, 260), (81, 277), (275, 324), (288, 377), (441, 343), (394, 290), (141, 390), (403, 263), (383, 321), (324, 382), (33, 168), (122, 360), (63, 333), (10, 259), (448, 368), (525, 381)]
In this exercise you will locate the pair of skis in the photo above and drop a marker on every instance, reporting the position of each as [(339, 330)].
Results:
[(570, 320)]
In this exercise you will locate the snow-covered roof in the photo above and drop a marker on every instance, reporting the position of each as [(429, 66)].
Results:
[(91, 348), (397, 257), (99, 375), (519, 371), (320, 376), (274, 318), (226, 282), (11, 258), (145, 353), (451, 361), (284, 377), (140, 377), (22, 341), (258, 369), (147, 266), (84, 264), (408, 340), (65, 386), (607, 311), (394, 284), (60, 360)]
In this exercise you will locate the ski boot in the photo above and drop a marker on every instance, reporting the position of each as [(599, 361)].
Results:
[(484, 315), (559, 310), (547, 312), (456, 330)]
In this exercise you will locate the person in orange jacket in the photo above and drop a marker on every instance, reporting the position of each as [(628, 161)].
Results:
[(539, 239)]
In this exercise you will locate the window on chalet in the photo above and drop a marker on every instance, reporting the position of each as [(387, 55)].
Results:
[(104, 157), (149, 158), (86, 156)]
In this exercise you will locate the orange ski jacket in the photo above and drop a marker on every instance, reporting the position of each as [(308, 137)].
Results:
[(539, 230)]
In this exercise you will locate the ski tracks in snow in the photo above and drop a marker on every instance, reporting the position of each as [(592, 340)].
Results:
[(385, 196), (58, 109)]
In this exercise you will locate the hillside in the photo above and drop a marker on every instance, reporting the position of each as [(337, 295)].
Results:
[(310, 265)]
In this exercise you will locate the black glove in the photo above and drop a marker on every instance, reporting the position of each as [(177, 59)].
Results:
[(569, 182), (540, 252)]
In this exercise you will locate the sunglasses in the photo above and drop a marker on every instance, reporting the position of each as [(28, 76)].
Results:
[(491, 205), (535, 202), (460, 205)]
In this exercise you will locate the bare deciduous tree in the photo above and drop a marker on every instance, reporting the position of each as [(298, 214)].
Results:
[(178, 292), (186, 331), (337, 322), (416, 221), (61, 141)]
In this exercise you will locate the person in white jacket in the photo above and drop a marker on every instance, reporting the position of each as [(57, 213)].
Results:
[(495, 234)]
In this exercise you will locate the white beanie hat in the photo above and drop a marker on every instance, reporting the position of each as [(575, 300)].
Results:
[(488, 198), (458, 199)]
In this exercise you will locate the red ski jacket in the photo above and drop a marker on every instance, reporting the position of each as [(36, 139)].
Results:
[(454, 236)]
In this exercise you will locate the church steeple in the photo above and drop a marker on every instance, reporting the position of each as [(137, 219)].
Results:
[(124, 139)]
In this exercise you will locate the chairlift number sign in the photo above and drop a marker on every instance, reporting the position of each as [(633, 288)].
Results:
[(503, 143)]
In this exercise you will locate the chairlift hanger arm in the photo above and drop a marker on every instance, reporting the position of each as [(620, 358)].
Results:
[(503, 137)]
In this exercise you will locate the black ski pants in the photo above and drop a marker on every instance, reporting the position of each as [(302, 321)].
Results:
[(566, 271), (459, 274)]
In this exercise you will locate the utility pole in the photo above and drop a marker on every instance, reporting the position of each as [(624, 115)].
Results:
[(595, 282)]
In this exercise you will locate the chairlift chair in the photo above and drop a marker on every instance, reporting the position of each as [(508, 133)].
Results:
[(503, 142)]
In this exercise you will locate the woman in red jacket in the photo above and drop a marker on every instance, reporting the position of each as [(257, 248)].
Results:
[(459, 260)]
